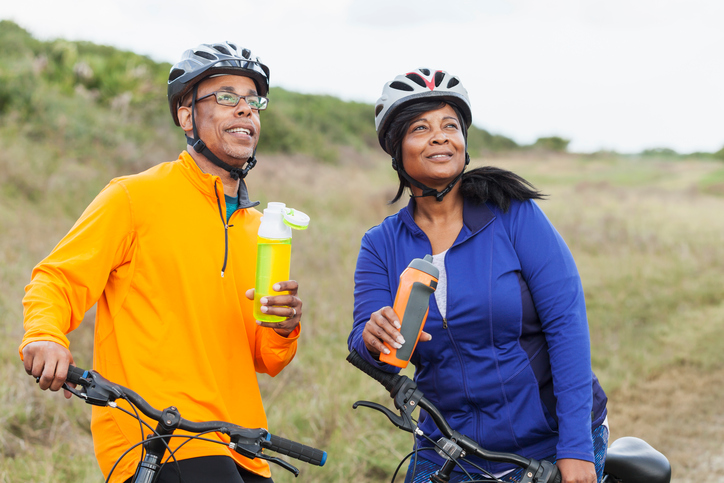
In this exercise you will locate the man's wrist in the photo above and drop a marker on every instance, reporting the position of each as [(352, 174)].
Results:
[(284, 332)]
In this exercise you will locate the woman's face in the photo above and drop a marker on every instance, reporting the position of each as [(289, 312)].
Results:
[(433, 149)]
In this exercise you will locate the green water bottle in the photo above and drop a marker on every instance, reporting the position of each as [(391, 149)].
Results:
[(274, 250)]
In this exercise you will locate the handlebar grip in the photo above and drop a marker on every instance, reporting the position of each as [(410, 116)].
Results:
[(75, 374), (549, 473), (387, 379), (297, 450)]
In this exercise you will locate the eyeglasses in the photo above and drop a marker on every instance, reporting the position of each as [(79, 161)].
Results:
[(224, 98)]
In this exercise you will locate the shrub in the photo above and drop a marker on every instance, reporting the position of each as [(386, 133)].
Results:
[(553, 143)]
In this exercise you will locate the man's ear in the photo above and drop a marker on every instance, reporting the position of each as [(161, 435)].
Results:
[(184, 118)]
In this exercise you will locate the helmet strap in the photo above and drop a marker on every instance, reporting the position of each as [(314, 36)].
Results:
[(426, 190), (201, 148)]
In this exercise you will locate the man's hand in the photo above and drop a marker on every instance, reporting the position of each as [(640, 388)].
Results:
[(48, 361), (287, 305)]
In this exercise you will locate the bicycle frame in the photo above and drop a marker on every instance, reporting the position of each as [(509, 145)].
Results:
[(97, 390), (407, 397), (629, 460)]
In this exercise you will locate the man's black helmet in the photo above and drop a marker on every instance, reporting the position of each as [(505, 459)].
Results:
[(213, 59)]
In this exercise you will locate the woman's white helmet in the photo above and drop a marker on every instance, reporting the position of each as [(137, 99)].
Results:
[(420, 84)]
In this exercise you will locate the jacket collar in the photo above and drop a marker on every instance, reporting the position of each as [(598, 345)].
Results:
[(208, 184), (475, 217)]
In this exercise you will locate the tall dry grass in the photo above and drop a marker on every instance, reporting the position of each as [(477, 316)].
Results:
[(646, 236)]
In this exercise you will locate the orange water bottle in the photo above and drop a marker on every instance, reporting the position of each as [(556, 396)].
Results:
[(417, 282), (274, 250)]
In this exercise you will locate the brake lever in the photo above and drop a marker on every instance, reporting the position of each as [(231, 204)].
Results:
[(96, 390), (403, 421), (290, 468), (74, 391), (247, 442)]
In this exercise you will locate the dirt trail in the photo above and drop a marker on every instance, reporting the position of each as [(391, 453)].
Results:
[(681, 413)]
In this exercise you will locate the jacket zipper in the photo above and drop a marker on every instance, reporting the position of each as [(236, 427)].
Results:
[(226, 231), (462, 367)]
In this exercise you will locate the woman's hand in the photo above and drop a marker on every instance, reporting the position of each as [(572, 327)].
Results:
[(287, 305), (576, 471), (384, 326)]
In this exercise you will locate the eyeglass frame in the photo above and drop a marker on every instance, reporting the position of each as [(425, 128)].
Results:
[(216, 95)]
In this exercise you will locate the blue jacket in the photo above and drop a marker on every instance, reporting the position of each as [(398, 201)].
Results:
[(510, 365)]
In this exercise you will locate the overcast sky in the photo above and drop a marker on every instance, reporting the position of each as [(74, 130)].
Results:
[(624, 75)]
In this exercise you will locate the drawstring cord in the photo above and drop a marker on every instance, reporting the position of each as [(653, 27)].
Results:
[(226, 231)]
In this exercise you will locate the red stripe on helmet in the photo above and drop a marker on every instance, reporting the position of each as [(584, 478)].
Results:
[(429, 83)]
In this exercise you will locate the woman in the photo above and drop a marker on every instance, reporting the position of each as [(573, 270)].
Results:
[(505, 354)]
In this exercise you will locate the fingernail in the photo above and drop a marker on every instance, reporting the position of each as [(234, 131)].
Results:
[(258, 322), (396, 345), (385, 350), (397, 324), (400, 339), (264, 309), (277, 287), (263, 300)]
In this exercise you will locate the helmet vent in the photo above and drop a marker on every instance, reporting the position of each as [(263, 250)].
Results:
[(439, 76), (453, 82), (425, 71), (400, 86), (378, 109), (233, 46), (416, 79), (205, 55), (246, 53), (175, 74), (222, 49)]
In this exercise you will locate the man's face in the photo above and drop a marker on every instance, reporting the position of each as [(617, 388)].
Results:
[(231, 133)]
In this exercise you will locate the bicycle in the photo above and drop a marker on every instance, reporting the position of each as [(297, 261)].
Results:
[(98, 391), (629, 460)]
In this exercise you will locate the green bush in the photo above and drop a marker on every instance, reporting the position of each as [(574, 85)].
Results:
[(481, 141), (660, 152), (553, 143), (719, 154), (315, 124)]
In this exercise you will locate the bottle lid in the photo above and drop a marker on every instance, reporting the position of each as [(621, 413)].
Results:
[(296, 219), (272, 224), (425, 265)]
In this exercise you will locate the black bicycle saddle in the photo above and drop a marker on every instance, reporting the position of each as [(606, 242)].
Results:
[(633, 460)]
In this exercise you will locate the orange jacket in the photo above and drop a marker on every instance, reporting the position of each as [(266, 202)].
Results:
[(149, 250)]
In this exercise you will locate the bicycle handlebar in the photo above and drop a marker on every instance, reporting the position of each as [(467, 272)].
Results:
[(100, 391), (405, 393)]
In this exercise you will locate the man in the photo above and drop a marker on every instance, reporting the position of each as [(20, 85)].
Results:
[(169, 256)]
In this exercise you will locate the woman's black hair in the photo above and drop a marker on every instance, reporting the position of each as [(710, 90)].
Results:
[(479, 185), (497, 185)]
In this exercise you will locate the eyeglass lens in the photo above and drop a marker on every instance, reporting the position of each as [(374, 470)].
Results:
[(230, 99)]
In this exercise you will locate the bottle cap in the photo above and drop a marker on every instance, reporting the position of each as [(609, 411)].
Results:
[(272, 224), (296, 219), (425, 265)]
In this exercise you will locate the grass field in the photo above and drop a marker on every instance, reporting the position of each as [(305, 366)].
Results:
[(648, 238)]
